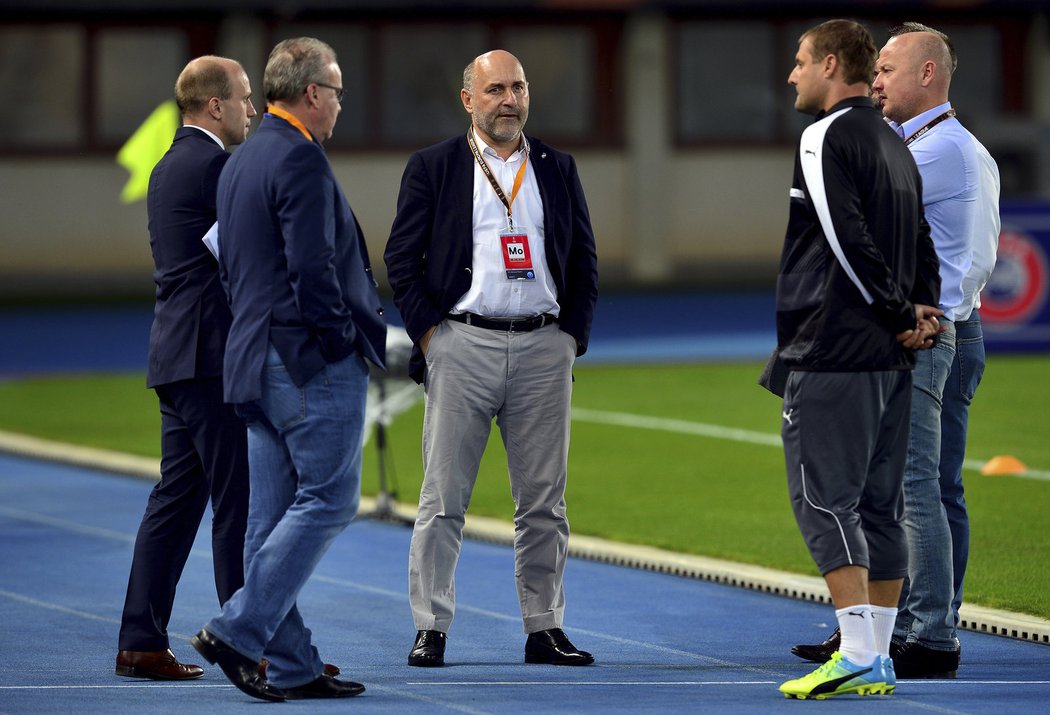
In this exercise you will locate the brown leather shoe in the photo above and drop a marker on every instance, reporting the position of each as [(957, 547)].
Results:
[(155, 665), (329, 669)]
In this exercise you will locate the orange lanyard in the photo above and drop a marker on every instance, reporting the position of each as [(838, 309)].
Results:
[(492, 179), (291, 119)]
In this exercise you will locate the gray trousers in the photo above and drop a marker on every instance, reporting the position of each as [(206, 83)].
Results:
[(524, 381), (845, 443)]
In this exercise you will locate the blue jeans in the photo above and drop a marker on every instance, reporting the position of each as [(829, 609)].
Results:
[(935, 517), (966, 374), (304, 456)]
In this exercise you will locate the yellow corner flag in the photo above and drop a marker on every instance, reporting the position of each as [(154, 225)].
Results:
[(145, 147)]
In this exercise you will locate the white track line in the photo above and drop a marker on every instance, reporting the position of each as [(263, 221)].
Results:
[(504, 683), (976, 618), (599, 683)]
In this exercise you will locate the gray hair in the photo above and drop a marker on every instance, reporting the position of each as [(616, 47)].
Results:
[(468, 76), (294, 64), (907, 27)]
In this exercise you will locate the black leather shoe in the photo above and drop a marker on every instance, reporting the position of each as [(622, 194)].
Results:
[(554, 648), (821, 652), (329, 669), (914, 660), (429, 650), (325, 686), (242, 671)]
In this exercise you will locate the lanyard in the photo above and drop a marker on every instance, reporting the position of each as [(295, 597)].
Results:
[(930, 125), (291, 119), (492, 179)]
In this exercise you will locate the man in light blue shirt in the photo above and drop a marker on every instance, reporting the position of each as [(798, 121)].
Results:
[(961, 199), (960, 195)]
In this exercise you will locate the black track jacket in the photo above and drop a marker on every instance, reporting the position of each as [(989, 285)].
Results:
[(857, 254)]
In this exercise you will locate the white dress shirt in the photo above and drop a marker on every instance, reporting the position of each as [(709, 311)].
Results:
[(215, 138), (491, 294)]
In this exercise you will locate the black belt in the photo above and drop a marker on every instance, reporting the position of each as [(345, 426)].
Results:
[(507, 325)]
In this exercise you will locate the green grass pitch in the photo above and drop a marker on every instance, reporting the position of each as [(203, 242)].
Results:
[(677, 475)]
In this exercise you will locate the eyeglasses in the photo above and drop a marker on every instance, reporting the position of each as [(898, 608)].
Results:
[(338, 90)]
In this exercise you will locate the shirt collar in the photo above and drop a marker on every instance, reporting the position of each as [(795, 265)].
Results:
[(918, 122), (486, 149), (857, 100), (217, 140)]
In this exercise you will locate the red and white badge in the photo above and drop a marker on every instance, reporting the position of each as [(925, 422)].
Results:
[(517, 258)]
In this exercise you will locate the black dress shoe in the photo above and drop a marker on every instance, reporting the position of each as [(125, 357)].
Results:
[(821, 652), (914, 660), (325, 686), (329, 669), (428, 650), (241, 670), (554, 648)]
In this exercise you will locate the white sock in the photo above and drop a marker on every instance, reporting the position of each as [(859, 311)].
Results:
[(883, 619), (858, 634)]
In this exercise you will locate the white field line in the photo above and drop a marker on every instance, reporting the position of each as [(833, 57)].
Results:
[(977, 618), (701, 429)]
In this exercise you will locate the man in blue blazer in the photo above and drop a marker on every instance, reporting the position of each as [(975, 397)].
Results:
[(306, 317), (203, 443), (492, 260)]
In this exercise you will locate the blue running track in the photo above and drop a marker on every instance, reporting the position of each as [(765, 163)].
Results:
[(663, 644)]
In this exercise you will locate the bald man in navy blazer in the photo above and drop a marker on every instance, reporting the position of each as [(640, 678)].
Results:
[(203, 443), (492, 260)]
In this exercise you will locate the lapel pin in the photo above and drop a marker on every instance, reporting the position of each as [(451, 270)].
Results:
[(543, 155)]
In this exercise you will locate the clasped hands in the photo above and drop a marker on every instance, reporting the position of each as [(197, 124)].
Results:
[(926, 329)]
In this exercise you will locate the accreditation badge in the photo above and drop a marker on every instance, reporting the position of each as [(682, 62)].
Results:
[(517, 258)]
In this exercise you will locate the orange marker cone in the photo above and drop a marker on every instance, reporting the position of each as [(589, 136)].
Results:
[(1003, 465)]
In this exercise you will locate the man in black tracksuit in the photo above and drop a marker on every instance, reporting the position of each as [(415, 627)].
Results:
[(857, 280)]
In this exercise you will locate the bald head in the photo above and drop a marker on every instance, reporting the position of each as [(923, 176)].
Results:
[(923, 48), (913, 72), (203, 78), (214, 93), (494, 59), (906, 28), (496, 96)]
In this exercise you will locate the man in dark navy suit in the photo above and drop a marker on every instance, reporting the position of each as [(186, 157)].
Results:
[(493, 265), (203, 443), (306, 318)]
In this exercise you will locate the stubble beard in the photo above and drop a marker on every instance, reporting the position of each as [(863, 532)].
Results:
[(801, 105), (502, 130)]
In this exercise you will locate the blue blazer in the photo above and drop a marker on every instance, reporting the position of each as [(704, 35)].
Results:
[(293, 262), (430, 251), (191, 317)]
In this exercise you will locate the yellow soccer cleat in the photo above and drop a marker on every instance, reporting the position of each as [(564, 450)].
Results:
[(841, 676)]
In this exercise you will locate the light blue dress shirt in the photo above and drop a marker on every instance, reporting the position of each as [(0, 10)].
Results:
[(960, 193)]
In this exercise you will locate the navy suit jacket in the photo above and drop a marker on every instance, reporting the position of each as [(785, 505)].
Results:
[(430, 251), (293, 262), (191, 317)]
